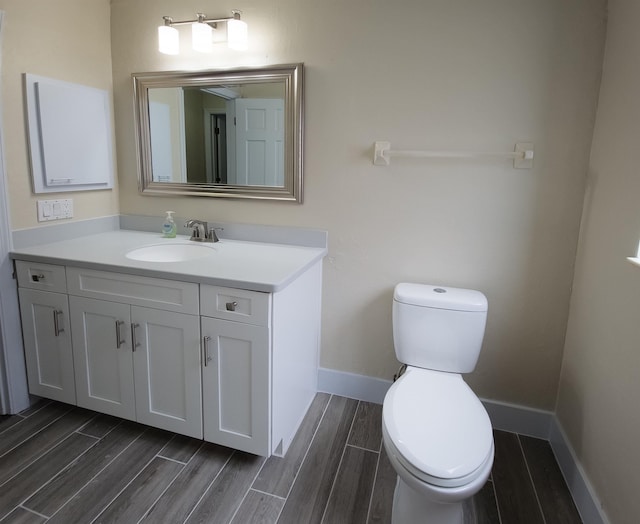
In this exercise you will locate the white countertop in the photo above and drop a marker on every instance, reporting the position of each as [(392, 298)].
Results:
[(233, 263)]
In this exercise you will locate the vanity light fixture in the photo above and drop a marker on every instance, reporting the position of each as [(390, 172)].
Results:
[(202, 33)]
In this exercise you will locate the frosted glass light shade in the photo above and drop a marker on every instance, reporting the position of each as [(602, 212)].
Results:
[(202, 37), (237, 35), (168, 40)]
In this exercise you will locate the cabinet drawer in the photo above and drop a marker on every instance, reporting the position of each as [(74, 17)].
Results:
[(250, 307), (47, 277), (157, 293)]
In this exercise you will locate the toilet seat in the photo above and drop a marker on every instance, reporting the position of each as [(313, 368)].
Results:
[(437, 428)]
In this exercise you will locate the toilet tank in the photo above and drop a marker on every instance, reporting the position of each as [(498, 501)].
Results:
[(438, 327)]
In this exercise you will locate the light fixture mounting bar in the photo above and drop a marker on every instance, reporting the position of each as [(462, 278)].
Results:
[(202, 18)]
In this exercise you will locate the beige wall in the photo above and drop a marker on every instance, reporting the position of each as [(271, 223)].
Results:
[(600, 384), (67, 40), (436, 74)]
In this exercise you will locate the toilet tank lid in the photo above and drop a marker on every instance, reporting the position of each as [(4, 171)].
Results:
[(440, 297)]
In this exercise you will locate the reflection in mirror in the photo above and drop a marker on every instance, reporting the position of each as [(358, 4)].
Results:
[(233, 133)]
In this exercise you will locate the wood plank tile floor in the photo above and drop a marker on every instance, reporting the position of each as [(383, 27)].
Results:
[(61, 464)]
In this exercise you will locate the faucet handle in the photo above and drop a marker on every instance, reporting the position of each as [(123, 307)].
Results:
[(211, 234)]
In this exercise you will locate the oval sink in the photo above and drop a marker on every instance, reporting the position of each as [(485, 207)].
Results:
[(169, 252)]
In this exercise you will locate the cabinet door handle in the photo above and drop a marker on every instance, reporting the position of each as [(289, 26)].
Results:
[(134, 341), (56, 322), (231, 306), (119, 341), (207, 356), (37, 278)]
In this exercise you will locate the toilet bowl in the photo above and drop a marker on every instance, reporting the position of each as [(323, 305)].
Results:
[(436, 432)]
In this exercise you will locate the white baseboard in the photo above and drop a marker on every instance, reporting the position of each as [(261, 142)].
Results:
[(350, 385), (581, 489), (507, 417)]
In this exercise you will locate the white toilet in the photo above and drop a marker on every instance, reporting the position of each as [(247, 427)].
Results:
[(436, 432)]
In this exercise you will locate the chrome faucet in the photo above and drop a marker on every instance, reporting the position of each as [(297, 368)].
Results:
[(201, 231)]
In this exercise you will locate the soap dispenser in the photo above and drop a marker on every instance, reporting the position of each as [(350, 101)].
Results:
[(169, 227)]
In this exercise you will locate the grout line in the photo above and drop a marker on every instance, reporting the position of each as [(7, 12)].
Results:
[(373, 486), (31, 435), (52, 478), (170, 483), (248, 489), (78, 432), (533, 485), (171, 460), (306, 453), (209, 487), (495, 497), (337, 473), (363, 449), (268, 494), (31, 511), (98, 473), (127, 485), (43, 451)]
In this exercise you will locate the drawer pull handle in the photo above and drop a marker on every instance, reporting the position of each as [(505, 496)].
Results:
[(119, 341), (134, 341), (56, 322), (37, 278), (231, 306), (207, 356)]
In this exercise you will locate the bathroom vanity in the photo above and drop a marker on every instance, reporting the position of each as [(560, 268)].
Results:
[(220, 344)]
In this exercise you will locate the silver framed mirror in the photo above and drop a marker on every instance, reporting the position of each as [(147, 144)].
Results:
[(235, 133)]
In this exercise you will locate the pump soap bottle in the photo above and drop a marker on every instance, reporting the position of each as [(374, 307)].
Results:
[(169, 227)]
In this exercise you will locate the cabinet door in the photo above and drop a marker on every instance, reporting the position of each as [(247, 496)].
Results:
[(101, 333), (47, 343), (236, 385), (166, 363)]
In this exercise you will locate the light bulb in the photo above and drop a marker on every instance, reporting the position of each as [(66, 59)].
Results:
[(202, 37), (237, 35), (168, 40)]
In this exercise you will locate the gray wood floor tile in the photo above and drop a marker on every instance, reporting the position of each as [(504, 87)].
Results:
[(42, 470), (485, 505), (29, 450), (95, 496), (178, 501), (278, 473), (553, 494), (22, 516), (514, 491), (383, 489), (6, 421), (310, 492), (37, 406), (222, 499), (181, 448), (65, 485), (134, 501), (367, 426), (100, 425), (258, 508), (27, 427), (351, 493)]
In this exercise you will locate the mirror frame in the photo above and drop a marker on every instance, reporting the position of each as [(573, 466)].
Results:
[(290, 74)]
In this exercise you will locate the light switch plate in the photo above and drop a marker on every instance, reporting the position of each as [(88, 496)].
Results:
[(55, 209)]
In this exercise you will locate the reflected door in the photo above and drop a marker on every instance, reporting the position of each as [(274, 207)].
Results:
[(260, 141)]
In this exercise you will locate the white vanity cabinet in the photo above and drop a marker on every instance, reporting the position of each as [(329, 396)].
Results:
[(136, 362), (261, 355), (223, 349), (47, 337), (236, 376)]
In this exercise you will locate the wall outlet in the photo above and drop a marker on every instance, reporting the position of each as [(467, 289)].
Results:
[(55, 209)]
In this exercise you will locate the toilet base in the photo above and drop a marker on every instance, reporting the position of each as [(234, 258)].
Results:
[(410, 507)]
